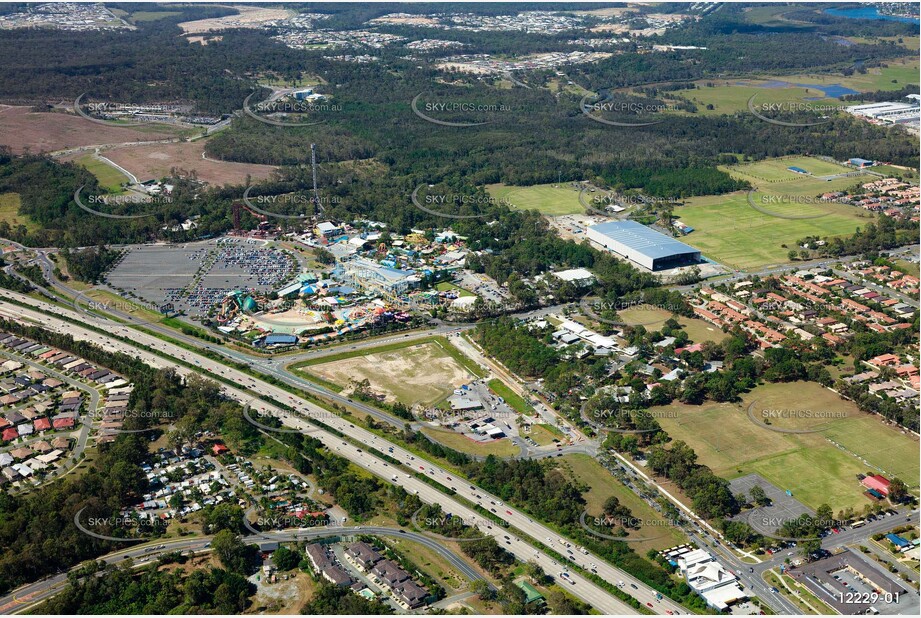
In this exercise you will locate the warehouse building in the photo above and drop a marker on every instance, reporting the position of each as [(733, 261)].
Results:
[(643, 245)]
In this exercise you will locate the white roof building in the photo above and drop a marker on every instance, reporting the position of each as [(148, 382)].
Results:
[(577, 276)]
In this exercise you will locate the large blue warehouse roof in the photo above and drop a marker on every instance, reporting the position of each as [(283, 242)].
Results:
[(643, 239)]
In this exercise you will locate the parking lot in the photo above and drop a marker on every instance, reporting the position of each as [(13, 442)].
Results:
[(767, 519), (196, 276)]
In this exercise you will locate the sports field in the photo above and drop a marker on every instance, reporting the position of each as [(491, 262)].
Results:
[(602, 485), (810, 465), (551, 200), (728, 229), (412, 373)]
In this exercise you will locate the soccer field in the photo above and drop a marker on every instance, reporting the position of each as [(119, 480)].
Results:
[(551, 200), (730, 230), (816, 467)]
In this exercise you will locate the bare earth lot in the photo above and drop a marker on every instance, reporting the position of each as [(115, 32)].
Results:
[(417, 374), (156, 160), (249, 17), (21, 129)]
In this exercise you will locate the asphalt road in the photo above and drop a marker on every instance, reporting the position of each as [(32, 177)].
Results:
[(580, 587), (24, 597)]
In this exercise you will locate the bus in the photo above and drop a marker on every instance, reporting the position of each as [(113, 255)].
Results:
[(859, 523)]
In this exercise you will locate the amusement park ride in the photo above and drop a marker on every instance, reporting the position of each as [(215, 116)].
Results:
[(264, 227)]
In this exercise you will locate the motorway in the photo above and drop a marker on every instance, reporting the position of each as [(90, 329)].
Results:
[(580, 586), (25, 597)]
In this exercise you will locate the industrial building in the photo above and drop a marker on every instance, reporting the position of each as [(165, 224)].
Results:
[(643, 245), (890, 111)]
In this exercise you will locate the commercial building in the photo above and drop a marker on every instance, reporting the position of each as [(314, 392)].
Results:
[(643, 245), (577, 276), (715, 583), (889, 111)]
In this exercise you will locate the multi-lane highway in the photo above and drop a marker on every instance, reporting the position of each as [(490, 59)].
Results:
[(259, 394)]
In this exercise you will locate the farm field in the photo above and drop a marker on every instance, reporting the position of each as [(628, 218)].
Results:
[(602, 485), (21, 128), (653, 318), (154, 161), (815, 469), (109, 178), (551, 200), (729, 230), (459, 442), (417, 373), (732, 95), (9, 211)]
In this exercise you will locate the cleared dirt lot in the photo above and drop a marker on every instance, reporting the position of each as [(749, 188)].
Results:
[(156, 160), (249, 17), (417, 374), (48, 132)]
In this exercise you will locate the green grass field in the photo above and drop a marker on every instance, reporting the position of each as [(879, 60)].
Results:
[(544, 434), (444, 286), (109, 178), (905, 173), (775, 170), (727, 229), (145, 16), (732, 95), (911, 268), (551, 200), (9, 212), (652, 319), (602, 485), (459, 442), (812, 467), (511, 398)]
